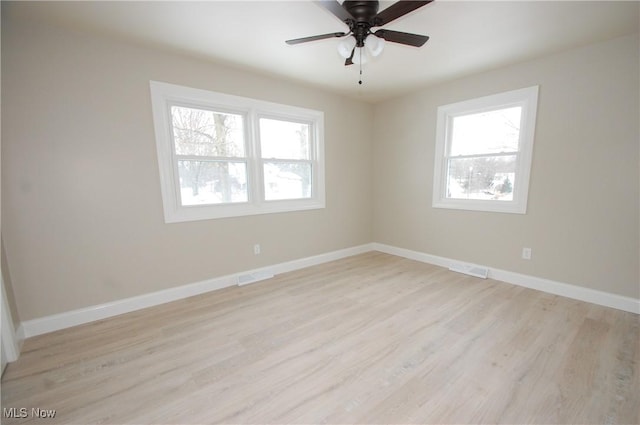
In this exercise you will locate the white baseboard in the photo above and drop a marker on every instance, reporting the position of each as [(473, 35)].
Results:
[(81, 316), (580, 293)]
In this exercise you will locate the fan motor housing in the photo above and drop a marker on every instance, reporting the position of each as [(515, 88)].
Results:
[(362, 11)]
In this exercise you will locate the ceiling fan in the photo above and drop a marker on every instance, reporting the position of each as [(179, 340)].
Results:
[(360, 17)]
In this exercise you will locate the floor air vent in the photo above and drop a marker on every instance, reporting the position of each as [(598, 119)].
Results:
[(470, 269), (245, 279)]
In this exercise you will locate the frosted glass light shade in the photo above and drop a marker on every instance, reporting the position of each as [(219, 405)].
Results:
[(359, 56), (346, 46), (374, 45)]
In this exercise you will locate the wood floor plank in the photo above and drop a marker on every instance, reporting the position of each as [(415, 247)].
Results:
[(372, 338)]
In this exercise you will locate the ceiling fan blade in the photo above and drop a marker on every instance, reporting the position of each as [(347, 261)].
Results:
[(402, 37), (349, 60), (397, 10), (336, 8), (315, 37)]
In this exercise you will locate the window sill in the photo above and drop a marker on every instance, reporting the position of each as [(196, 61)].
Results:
[(479, 205), (210, 212)]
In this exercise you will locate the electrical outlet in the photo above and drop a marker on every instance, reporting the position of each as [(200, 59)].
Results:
[(256, 249), (526, 253)]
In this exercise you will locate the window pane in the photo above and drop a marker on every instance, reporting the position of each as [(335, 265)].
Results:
[(284, 139), (482, 178), (487, 132), (207, 133), (287, 180), (212, 182)]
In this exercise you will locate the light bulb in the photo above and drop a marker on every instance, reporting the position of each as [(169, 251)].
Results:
[(346, 46), (374, 45), (359, 56)]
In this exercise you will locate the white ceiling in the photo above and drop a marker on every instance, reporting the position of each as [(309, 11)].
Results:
[(466, 36)]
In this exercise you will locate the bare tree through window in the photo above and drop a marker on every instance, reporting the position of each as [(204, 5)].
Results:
[(210, 150)]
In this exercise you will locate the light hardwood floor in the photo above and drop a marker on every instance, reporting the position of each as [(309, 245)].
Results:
[(368, 339)]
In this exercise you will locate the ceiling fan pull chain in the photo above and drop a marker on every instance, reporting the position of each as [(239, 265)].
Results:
[(360, 80)]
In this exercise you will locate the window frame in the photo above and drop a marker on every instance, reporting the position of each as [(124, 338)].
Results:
[(165, 95), (527, 99)]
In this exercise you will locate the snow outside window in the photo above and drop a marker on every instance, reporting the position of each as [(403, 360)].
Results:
[(483, 152), (224, 156)]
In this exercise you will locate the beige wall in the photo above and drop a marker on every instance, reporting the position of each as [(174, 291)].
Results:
[(82, 212), (81, 208), (582, 218), (4, 268)]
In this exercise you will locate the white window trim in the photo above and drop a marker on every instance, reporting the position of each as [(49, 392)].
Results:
[(164, 95), (527, 98)]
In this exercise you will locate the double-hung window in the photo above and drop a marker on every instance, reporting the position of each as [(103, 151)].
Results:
[(224, 156), (483, 152), (211, 157)]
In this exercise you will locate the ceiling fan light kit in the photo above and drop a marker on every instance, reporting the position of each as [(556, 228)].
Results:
[(346, 46), (360, 17), (359, 57), (374, 44)]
